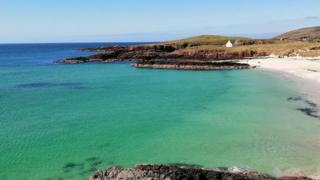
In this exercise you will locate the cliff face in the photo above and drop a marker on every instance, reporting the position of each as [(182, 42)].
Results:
[(149, 172)]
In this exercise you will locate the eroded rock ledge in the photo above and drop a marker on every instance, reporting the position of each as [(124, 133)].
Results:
[(190, 65), (172, 172)]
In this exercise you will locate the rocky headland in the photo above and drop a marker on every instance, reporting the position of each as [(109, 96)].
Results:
[(173, 172), (204, 52), (167, 57), (158, 51)]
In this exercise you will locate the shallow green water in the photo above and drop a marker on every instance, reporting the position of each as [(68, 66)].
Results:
[(66, 121)]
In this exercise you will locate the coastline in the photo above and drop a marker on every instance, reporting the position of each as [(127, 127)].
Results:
[(304, 73)]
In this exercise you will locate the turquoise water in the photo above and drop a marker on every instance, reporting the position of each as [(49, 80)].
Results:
[(65, 121)]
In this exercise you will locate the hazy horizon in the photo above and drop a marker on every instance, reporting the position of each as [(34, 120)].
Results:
[(37, 21), (133, 38)]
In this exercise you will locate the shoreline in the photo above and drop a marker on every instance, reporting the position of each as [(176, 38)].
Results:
[(302, 72)]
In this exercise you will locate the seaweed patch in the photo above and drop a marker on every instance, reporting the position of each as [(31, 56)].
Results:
[(91, 159), (86, 166), (311, 110), (310, 103), (34, 85), (295, 98), (49, 85), (69, 167)]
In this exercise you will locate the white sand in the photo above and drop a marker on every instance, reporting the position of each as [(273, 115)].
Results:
[(304, 72), (308, 69)]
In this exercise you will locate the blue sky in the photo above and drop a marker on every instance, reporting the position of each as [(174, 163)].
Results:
[(147, 20)]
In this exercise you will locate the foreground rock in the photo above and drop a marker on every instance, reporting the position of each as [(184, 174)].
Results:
[(181, 173)]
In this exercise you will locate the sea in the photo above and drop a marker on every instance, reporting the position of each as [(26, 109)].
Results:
[(67, 121)]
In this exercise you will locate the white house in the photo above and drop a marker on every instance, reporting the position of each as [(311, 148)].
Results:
[(229, 44)]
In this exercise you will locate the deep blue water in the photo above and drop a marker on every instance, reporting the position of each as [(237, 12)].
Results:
[(44, 54)]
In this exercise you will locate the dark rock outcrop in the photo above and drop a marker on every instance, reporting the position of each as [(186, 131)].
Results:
[(172, 172), (190, 65)]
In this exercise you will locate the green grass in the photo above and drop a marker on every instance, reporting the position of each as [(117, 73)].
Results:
[(207, 40), (209, 43), (216, 40)]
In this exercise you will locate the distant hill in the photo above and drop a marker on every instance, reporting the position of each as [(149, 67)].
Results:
[(208, 40), (308, 34)]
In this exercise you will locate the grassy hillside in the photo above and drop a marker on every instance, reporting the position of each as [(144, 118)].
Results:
[(286, 48), (209, 40), (309, 34), (303, 42), (212, 43)]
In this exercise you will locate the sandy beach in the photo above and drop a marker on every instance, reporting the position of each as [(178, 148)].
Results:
[(305, 73)]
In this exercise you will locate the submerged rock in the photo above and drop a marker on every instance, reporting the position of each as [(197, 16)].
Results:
[(172, 172)]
